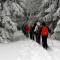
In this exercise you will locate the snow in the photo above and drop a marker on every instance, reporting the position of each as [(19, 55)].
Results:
[(26, 49), (17, 8), (45, 1), (56, 35), (58, 23), (38, 15), (50, 8), (9, 24), (57, 13), (23, 50), (6, 9), (47, 17), (22, 4), (55, 46), (57, 29), (10, 6)]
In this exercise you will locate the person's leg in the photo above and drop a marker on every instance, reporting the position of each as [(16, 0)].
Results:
[(38, 39), (46, 45), (36, 36), (27, 34), (43, 41), (33, 36), (30, 35)]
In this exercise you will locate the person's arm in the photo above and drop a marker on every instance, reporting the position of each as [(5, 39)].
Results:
[(35, 29), (49, 30)]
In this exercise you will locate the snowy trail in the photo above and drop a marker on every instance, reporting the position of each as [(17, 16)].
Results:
[(55, 49), (54, 53), (26, 49), (23, 50)]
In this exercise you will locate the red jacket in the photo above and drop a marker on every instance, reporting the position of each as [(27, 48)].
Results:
[(27, 28), (45, 31)]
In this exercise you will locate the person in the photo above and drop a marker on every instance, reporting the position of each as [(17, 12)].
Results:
[(23, 29), (18, 27), (32, 27), (44, 32), (27, 30), (37, 32)]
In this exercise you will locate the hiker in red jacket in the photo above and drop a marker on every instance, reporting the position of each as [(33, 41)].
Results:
[(27, 30), (45, 31)]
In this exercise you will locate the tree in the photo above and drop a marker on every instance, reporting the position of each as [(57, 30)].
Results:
[(56, 34), (8, 25), (33, 6)]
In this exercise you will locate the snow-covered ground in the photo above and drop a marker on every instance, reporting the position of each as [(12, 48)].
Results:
[(23, 50), (26, 49), (54, 52)]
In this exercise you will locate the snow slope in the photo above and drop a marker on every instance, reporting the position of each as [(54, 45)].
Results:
[(23, 50), (54, 51), (26, 49)]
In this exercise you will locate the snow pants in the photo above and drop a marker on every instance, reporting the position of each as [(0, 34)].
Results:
[(38, 38), (27, 34), (44, 42), (32, 35)]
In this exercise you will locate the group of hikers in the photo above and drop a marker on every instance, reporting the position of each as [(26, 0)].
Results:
[(37, 31)]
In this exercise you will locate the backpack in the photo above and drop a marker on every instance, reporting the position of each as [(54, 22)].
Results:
[(44, 31)]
